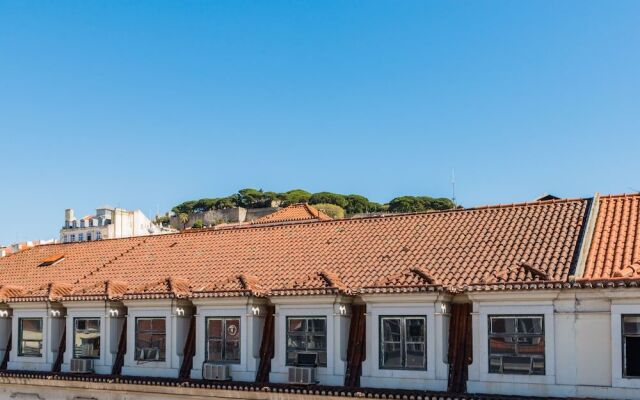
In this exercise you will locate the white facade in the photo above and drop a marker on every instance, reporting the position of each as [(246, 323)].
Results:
[(583, 353), (177, 315), (111, 319), (107, 223), (432, 307), (583, 343), (251, 313), (53, 319), (336, 310)]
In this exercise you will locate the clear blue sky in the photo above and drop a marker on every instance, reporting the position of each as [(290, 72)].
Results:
[(146, 104)]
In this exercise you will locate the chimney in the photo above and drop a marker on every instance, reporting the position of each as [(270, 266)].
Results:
[(68, 216)]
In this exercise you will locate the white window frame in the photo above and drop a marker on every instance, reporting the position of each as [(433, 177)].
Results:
[(21, 339), (516, 335), (623, 307), (136, 354), (223, 320), (403, 341), (307, 318), (76, 331), (479, 369)]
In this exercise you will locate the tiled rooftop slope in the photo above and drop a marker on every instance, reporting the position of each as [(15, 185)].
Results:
[(529, 242), (615, 247)]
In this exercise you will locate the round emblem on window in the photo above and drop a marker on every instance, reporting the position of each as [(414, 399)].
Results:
[(232, 330)]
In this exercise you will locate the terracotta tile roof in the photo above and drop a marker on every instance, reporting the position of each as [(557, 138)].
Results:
[(294, 213), (530, 242), (615, 245)]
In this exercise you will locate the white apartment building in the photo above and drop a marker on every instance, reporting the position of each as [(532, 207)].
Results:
[(106, 223)]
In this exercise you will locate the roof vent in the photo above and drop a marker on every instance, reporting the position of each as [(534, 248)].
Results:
[(51, 260)]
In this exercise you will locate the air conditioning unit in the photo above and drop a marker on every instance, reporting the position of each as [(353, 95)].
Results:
[(215, 372), (302, 375), (81, 365)]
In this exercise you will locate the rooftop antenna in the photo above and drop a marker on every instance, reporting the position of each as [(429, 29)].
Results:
[(453, 186)]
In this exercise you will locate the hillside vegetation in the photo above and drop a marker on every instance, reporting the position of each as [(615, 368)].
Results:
[(350, 203)]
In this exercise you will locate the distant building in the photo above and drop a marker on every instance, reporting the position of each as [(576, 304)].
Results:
[(18, 247), (107, 223)]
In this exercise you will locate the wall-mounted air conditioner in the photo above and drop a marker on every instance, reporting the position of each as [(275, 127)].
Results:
[(304, 372), (81, 365), (216, 372)]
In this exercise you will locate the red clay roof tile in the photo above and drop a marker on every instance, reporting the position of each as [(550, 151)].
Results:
[(615, 246), (294, 213), (448, 249)]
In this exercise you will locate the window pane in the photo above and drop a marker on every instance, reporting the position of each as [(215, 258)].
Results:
[(215, 350), (530, 325), (322, 358), (538, 366), (516, 365), (632, 356), (316, 325), (297, 325), (93, 324), (297, 341), (144, 324), (233, 329), (232, 350), (30, 337), (391, 330), (158, 324), (415, 355), (531, 345), (503, 325), (502, 345), (495, 364), (392, 355), (317, 343), (516, 345), (415, 330), (150, 339), (631, 325), (215, 328), (292, 357), (86, 339)]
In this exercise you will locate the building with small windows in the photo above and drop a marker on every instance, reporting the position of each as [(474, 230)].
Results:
[(538, 299), (107, 223)]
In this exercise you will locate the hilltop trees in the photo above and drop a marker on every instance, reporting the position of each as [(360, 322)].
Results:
[(347, 204)]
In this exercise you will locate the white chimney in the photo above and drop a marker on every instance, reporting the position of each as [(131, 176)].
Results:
[(68, 215)]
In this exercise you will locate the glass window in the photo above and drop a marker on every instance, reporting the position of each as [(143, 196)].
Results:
[(307, 335), (86, 338), (150, 339), (98, 235), (403, 342), (223, 340), (516, 345), (631, 346), (30, 337), (80, 237), (89, 237), (73, 238)]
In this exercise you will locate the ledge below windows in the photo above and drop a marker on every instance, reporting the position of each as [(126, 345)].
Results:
[(44, 383)]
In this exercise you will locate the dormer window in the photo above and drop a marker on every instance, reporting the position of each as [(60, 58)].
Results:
[(52, 259)]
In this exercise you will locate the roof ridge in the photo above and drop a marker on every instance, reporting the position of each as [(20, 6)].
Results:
[(619, 196)]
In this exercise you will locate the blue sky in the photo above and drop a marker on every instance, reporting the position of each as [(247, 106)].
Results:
[(146, 104)]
